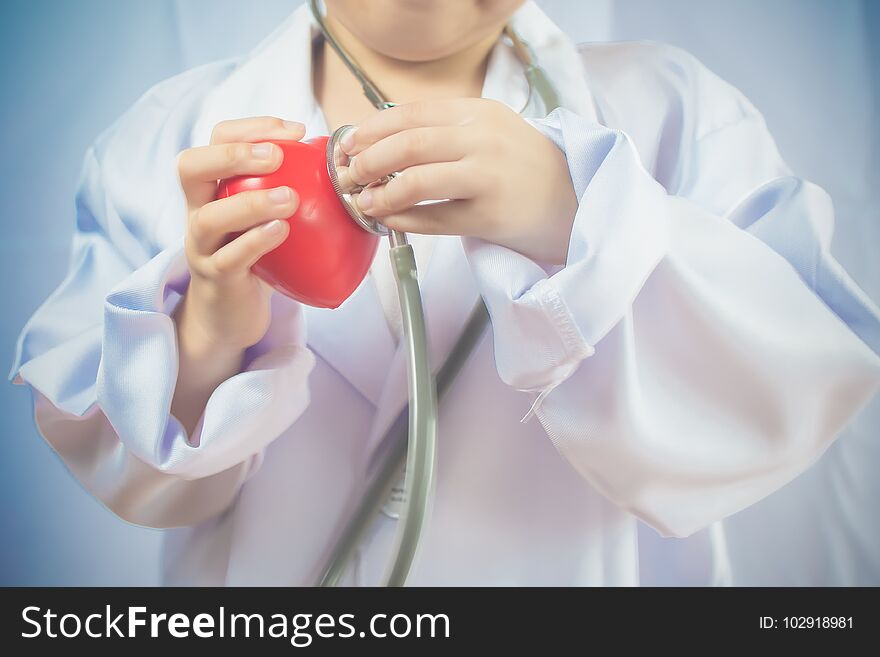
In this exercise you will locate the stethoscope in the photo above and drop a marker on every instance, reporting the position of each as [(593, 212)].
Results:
[(411, 440)]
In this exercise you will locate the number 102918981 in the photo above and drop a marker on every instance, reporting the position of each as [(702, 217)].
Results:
[(806, 622)]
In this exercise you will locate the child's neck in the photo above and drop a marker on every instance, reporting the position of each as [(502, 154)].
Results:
[(340, 96)]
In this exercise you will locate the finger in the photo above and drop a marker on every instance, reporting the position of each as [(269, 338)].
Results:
[(425, 182), (420, 114), (258, 128), (242, 253), (406, 149), (200, 168), (230, 154), (443, 218), (210, 224)]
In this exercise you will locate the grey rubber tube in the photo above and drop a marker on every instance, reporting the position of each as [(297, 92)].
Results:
[(392, 452), (421, 451)]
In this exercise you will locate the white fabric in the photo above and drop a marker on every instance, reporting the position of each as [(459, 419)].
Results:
[(699, 349)]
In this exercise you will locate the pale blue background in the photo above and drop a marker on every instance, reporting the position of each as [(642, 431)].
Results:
[(68, 69)]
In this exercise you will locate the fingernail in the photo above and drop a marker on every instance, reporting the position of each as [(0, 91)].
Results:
[(262, 151), (347, 141), (365, 200), (292, 125), (279, 195), (273, 227)]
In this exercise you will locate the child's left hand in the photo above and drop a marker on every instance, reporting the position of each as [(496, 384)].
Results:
[(507, 182)]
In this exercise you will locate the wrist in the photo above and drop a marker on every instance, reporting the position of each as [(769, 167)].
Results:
[(203, 364), (196, 343), (548, 246)]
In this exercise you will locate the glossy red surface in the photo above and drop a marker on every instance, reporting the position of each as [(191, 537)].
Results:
[(326, 255)]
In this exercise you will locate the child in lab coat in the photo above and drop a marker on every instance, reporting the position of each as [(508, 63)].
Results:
[(664, 308)]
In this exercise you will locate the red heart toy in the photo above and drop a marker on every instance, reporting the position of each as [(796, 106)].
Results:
[(326, 254)]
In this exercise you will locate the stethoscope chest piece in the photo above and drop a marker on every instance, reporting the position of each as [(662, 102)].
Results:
[(338, 162)]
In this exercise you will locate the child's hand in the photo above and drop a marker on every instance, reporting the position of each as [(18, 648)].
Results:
[(226, 306), (510, 184)]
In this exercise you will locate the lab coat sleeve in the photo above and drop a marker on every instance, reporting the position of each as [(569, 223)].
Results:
[(687, 362), (100, 355)]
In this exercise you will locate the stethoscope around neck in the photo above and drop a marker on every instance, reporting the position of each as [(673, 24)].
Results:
[(411, 440)]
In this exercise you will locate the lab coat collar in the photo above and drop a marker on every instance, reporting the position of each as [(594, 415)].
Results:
[(275, 79)]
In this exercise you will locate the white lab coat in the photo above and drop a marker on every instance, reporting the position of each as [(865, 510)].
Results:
[(699, 349)]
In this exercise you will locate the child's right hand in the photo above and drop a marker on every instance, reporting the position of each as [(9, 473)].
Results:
[(226, 306)]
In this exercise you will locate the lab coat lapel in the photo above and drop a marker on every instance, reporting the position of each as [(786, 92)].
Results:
[(354, 339), (275, 80)]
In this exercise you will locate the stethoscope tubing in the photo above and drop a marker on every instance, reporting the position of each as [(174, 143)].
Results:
[(421, 451)]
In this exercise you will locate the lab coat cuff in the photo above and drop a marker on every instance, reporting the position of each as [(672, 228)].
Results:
[(138, 373), (537, 341), (546, 322)]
